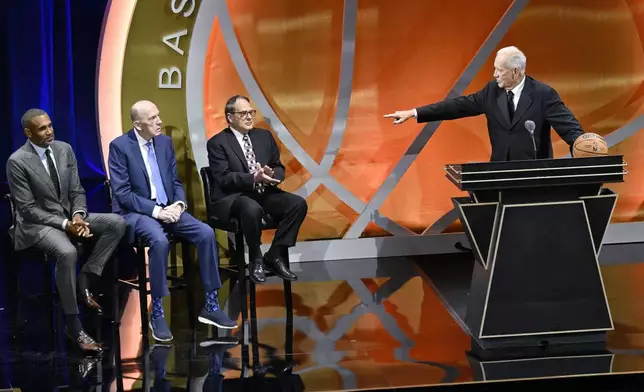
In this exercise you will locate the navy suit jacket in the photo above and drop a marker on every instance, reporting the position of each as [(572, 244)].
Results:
[(129, 179)]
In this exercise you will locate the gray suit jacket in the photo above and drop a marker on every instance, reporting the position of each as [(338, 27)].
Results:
[(38, 207)]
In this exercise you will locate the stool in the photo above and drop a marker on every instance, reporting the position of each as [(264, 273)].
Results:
[(13, 272), (233, 226)]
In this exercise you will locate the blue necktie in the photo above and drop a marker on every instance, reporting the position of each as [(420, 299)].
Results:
[(162, 198)]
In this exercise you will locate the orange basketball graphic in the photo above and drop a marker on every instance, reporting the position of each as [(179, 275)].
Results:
[(321, 74)]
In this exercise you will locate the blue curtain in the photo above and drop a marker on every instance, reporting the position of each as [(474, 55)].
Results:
[(51, 51)]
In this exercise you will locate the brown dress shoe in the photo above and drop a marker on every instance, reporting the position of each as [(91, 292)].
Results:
[(85, 342), (88, 300)]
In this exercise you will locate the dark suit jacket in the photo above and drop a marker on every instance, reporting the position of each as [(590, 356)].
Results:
[(39, 209), (509, 139), (229, 168), (129, 179)]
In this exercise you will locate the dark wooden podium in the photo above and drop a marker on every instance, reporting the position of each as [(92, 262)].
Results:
[(536, 229)]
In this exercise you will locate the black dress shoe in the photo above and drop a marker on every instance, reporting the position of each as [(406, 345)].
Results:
[(278, 267), (85, 342), (256, 271), (88, 300)]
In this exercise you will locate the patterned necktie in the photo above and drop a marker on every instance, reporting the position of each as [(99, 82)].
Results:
[(253, 166), (52, 172), (162, 198), (511, 104)]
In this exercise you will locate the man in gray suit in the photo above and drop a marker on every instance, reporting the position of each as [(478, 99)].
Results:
[(52, 212)]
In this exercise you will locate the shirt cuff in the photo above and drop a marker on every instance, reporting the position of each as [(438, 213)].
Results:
[(82, 213), (183, 205), (65, 224), (415, 113), (156, 211)]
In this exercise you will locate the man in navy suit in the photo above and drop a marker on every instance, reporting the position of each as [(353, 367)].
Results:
[(149, 195)]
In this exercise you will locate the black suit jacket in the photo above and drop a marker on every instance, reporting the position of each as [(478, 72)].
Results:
[(509, 139), (229, 168)]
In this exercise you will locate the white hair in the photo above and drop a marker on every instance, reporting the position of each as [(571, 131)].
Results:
[(515, 57)]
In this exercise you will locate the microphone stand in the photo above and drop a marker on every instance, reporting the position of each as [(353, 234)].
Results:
[(534, 145)]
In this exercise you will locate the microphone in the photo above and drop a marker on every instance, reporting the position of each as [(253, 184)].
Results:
[(529, 125)]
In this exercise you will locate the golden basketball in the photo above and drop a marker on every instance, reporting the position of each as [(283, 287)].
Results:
[(589, 145)]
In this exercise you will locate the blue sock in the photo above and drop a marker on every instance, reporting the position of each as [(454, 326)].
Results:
[(157, 308), (212, 302)]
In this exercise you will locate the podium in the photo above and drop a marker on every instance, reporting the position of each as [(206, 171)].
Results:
[(536, 228)]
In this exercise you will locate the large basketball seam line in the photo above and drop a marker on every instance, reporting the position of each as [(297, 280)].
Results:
[(493, 39)]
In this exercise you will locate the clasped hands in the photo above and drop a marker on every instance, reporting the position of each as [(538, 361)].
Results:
[(171, 213), (265, 175), (78, 227)]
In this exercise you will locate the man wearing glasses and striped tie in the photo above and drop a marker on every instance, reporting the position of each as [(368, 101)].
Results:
[(246, 169)]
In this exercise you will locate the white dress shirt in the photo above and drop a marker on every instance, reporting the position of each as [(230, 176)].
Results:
[(153, 189), (43, 157), (517, 92), (42, 154), (144, 153), (240, 138)]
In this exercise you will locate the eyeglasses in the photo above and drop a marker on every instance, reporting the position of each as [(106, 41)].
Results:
[(245, 113)]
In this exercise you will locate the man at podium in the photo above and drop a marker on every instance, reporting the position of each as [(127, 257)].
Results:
[(519, 110)]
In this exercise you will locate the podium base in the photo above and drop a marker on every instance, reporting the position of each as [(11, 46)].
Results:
[(451, 280), (540, 340), (566, 360)]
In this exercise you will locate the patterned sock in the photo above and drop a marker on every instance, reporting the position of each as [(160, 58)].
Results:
[(212, 302), (157, 308)]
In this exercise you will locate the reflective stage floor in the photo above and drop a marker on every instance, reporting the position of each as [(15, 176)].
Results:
[(353, 325)]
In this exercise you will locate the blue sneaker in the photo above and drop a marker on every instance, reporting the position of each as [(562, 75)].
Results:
[(160, 330), (217, 318)]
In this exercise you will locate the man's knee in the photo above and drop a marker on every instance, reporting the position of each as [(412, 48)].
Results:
[(204, 233), (252, 212), (299, 204), (151, 233), (119, 224), (158, 240), (67, 256)]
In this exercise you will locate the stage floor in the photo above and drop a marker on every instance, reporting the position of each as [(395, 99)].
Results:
[(357, 325)]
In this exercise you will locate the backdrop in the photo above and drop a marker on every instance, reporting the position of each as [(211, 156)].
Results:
[(51, 49), (322, 74)]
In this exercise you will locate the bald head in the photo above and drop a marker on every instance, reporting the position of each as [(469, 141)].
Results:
[(509, 67), (140, 108), (145, 119)]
